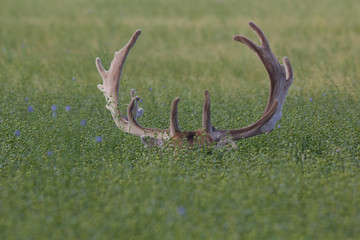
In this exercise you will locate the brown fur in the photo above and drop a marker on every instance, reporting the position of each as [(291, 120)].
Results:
[(199, 137)]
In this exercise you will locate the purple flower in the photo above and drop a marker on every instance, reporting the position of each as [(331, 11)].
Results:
[(98, 139), (181, 210), (54, 107), (140, 100), (150, 89), (83, 122), (279, 126), (49, 153), (26, 99), (163, 86), (30, 108), (74, 78), (324, 94), (54, 114), (68, 108), (17, 133), (310, 99), (338, 150)]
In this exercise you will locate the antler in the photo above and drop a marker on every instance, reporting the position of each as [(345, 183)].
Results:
[(110, 88), (281, 77)]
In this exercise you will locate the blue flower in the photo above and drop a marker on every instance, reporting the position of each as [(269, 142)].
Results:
[(83, 122), (98, 139), (26, 99), (68, 108), (30, 108), (49, 153), (54, 107), (324, 94), (17, 133), (150, 88), (310, 99), (181, 210), (74, 78), (279, 126), (140, 100)]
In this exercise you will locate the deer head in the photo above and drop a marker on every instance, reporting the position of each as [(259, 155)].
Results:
[(281, 77)]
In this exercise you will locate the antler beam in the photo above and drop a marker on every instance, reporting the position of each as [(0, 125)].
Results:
[(281, 77)]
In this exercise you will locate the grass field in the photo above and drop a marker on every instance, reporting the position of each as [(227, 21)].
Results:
[(67, 172)]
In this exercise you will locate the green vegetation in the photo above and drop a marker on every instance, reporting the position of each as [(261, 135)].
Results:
[(69, 173)]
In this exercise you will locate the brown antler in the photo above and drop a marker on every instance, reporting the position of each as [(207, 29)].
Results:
[(280, 76), (280, 80)]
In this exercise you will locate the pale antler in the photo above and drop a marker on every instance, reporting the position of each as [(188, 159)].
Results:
[(110, 88), (280, 76)]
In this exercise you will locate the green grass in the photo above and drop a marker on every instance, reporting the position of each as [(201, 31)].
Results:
[(57, 182)]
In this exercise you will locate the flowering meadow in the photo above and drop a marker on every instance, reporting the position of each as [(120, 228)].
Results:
[(67, 172)]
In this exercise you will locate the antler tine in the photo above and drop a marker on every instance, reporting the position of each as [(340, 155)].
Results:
[(253, 46), (132, 94), (260, 34), (136, 129), (119, 59), (206, 119), (174, 122), (102, 71), (111, 78), (138, 112), (289, 71), (269, 60)]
